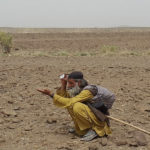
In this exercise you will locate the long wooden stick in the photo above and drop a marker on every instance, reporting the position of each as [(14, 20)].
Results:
[(110, 117)]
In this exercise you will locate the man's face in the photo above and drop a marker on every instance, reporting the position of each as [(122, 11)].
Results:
[(71, 83), (73, 87)]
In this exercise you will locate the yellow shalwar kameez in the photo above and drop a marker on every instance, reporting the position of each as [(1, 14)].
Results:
[(81, 114)]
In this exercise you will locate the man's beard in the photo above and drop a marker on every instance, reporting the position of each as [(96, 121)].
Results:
[(74, 91)]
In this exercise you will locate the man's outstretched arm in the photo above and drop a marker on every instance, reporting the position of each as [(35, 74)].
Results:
[(66, 102)]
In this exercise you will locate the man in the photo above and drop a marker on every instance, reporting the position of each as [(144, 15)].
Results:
[(86, 104)]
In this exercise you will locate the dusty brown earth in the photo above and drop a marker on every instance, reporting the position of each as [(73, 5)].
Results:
[(116, 59)]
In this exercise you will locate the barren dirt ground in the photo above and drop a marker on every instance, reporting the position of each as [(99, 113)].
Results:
[(30, 121)]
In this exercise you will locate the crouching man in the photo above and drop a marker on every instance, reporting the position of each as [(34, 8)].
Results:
[(87, 105)]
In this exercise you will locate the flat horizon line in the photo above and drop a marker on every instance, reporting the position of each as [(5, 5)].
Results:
[(76, 27)]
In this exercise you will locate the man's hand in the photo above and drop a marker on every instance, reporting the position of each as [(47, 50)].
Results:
[(45, 91), (64, 81)]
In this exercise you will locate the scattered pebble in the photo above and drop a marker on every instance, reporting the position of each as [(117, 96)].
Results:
[(16, 120), (93, 147), (11, 126), (121, 142), (133, 144), (27, 128), (104, 141), (51, 121)]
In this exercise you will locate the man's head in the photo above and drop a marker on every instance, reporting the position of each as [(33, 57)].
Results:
[(76, 83)]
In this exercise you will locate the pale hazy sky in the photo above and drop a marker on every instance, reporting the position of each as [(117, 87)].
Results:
[(74, 13)]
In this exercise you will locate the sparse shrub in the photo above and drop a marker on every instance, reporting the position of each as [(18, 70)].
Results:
[(134, 53), (61, 53), (83, 54), (5, 42), (64, 53), (86, 53), (108, 49)]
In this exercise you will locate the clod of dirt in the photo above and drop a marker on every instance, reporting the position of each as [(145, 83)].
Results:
[(17, 108), (2, 140), (121, 142), (93, 147), (120, 139), (11, 126), (130, 134), (10, 101), (16, 49), (103, 141), (16, 120), (9, 112), (140, 139), (147, 110), (64, 148), (27, 128), (132, 143), (51, 121)]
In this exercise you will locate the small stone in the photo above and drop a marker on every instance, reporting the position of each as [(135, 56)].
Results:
[(51, 121), (16, 49), (17, 108), (10, 101), (129, 136), (51, 114), (147, 110), (27, 128), (31, 103), (121, 142), (15, 120), (93, 147), (11, 127), (132, 143), (64, 148), (104, 141)]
